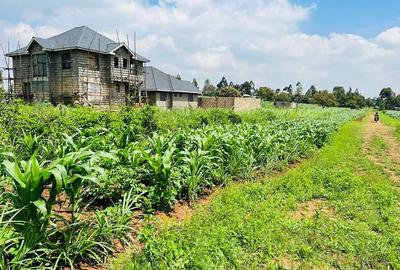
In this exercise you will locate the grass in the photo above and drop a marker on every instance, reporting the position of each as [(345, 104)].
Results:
[(379, 145), (380, 148), (336, 210), (393, 122)]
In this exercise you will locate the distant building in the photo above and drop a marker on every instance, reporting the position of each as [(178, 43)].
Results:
[(285, 104), (167, 91)]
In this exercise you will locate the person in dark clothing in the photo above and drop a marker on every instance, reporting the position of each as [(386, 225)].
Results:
[(376, 117)]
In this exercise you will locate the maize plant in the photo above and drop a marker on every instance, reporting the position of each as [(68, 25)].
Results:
[(198, 165), (160, 160), (30, 179), (79, 167)]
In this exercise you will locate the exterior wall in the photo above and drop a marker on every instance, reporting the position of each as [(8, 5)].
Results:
[(233, 103), (22, 73), (217, 102), (246, 104), (181, 100), (163, 104), (63, 83), (79, 84), (174, 100), (27, 85), (125, 74), (152, 98)]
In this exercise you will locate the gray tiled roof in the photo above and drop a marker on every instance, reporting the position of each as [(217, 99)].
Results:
[(158, 81), (77, 38)]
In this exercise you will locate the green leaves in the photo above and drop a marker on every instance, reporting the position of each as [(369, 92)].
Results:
[(30, 180), (41, 206), (160, 159), (12, 169), (122, 160)]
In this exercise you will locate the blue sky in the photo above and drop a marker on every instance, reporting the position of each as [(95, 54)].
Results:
[(361, 17), (272, 42)]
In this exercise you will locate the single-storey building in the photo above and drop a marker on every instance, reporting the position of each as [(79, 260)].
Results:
[(285, 104), (166, 91)]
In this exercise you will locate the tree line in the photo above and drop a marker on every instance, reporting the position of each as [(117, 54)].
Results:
[(388, 100), (225, 89), (338, 97)]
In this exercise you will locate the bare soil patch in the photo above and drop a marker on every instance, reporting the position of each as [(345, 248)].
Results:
[(183, 211), (311, 208)]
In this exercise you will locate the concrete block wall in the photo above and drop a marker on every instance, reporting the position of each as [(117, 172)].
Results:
[(233, 103), (246, 104)]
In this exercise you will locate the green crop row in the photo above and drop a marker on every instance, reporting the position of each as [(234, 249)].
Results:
[(71, 178), (394, 114)]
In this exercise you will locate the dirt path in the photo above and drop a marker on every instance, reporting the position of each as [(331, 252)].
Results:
[(382, 147)]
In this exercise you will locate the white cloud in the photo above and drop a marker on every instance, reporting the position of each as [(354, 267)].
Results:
[(20, 32), (215, 59), (390, 36), (259, 40)]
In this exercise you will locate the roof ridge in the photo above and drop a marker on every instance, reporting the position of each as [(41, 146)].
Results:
[(154, 78), (81, 37), (66, 31), (82, 33), (170, 82)]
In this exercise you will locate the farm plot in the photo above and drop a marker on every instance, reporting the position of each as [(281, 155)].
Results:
[(72, 179), (338, 210), (394, 114)]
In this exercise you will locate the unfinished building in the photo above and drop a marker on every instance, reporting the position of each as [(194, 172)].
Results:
[(79, 66)]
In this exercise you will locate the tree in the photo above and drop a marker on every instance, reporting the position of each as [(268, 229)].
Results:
[(310, 92), (324, 98), (288, 89), (229, 92), (283, 96), (386, 98), (298, 95), (194, 82), (236, 86), (386, 93), (223, 83), (396, 102), (370, 102), (265, 93), (354, 100), (209, 89), (178, 76), (247, 88), (340, 94)]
